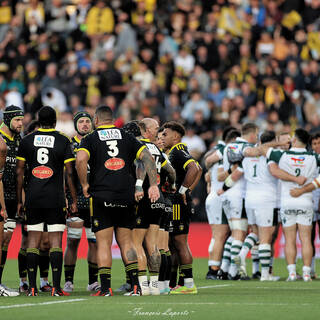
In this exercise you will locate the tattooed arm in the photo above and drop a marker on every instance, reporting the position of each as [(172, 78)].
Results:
[(140, 174), (171, 172), (150, 167)]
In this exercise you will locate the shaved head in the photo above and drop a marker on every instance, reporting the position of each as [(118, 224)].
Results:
[(149, 128)]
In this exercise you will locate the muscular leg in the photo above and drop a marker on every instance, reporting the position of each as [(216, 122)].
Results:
[(129, 254), (44, 261), (163, 248), (174, 263), (220, 232), (104, 257), (5, 244), (92, 262), (56, 257), (34, 238), (290, 234), (305, 238), (22, 261), (1, 242)]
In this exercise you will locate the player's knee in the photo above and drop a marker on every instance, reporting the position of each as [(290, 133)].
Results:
[(90, 235), (241, 224)]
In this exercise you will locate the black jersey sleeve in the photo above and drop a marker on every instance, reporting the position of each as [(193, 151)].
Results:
[(180, 158), (85, 145), (69, 154), (22, 151)]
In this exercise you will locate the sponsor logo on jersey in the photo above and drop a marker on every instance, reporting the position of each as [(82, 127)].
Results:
[(43, 141), (95, 222), (298, 160), (109, 134), (114, 164), (42, 172), (158, 206)]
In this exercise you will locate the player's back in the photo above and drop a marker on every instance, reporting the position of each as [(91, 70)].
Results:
[(298, 162), (112, 153), (261, 188), (45, 151)]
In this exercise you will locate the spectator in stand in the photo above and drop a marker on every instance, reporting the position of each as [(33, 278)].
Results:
[(194, 104)]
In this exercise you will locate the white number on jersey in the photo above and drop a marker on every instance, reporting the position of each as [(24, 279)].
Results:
[(42, 155), (114, 151)]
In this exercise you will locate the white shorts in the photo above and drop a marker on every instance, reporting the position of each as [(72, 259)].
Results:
[(266, 216), (234, 208), (214, 208), (290, 217), (251, 214)]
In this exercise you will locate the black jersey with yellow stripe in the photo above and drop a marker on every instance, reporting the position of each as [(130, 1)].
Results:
[(111, 153), (9, 177), (45, 152), (82, 201), (179, 157)]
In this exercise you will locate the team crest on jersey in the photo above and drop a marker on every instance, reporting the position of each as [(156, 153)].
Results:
[(95, 222), (42, 172), (298, 160), (114, 164), (138, 221), (109, 134), (181, 227), (43, 141)]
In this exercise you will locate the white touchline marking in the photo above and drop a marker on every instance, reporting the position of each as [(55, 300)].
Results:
[(40, 303), (216, 286)]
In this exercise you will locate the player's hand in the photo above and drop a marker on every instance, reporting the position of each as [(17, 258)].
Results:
[(153, 193), (220, 192), (184, 198), (301, 180), (296, 192), (138, 195), (85, 190), (4, 214)]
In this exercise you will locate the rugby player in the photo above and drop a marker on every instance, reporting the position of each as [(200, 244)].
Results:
[(149, 214), (216, 216), (83, 125), (188, 173), (46, 153), (44, 259), (10, 132), (111, 152)]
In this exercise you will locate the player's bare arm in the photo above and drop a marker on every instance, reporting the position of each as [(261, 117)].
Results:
[(297, 192), (223, 175), (196, 181), (20, 174), (230, 181), (193, 170), (263, 149), (140, 174), (70, 181), (3, 155), (82, 168), (285, 176), (171, 173), (211, 158), (150, 167)]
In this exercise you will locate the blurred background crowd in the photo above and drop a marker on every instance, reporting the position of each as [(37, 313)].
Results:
[(206, 63)]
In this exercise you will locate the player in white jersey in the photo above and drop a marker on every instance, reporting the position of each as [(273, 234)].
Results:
[(233, 192), (216, 216), (296, 213)]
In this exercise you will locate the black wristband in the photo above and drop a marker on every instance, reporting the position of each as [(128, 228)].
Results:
[(229, 171), (225, 188)]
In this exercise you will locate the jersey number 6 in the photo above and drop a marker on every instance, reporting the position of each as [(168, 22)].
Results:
[(42, 155)]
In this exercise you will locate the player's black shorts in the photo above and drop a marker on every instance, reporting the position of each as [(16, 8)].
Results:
[(149, 213), (48, 216), (167, 213), (181, 215), (84, 214), (106, 215), (11, 207)]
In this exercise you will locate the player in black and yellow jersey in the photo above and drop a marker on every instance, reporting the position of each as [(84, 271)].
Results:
[(83, 125), (10, 132), (149, 214), (110, 153), (46, 152), (188, 174), (4, 292)]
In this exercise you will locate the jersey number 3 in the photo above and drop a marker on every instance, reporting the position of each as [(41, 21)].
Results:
[(114, 151), (42, 155)]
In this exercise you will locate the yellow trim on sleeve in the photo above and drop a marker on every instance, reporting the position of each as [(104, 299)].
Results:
[(21, 158), (46, 130), (76, 139), (69, 160), (106, 126), (84, 149), (6, 135), (145, 140), (187, 162), (164, 163), (139, 152)]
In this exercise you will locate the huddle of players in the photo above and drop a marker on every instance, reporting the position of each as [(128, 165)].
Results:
[(44, 159), (252, 185)]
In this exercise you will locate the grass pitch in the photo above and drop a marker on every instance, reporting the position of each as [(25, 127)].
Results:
[(215, 299)]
